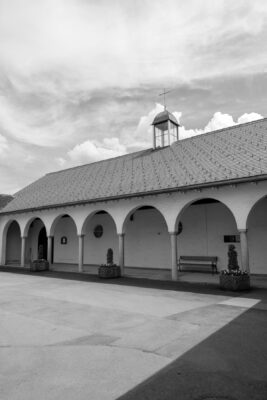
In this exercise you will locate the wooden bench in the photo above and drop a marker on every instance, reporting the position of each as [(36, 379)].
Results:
[(199, 261)]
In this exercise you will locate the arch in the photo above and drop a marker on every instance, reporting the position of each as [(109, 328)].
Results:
[(32, 231), (198, 199), (96, 245), (134, 209), (208, 228), (65, 243), (12, 245), (7, 225), (256, 225), (25, 230), (92, 214), (147, 240), (51, 232), (252, 208)]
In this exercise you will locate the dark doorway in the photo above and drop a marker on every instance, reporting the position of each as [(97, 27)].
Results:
[(42, 244)]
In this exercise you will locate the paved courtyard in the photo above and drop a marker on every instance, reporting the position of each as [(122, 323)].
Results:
[(87, 339)]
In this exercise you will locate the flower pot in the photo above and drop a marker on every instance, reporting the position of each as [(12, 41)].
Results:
[(234, 282), (39, 265), (109, 271)]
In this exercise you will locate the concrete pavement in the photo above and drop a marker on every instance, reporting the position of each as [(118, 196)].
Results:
[(80, 339)]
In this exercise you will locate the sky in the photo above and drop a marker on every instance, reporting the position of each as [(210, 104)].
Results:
[(80, 79)]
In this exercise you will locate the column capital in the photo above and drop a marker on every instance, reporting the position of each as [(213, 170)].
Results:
[(80, 234), (50, 236), (121, 234), (242, 230), (173, 233), (24, 237)]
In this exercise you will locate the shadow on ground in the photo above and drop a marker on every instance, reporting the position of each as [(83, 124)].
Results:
[(229, 365)]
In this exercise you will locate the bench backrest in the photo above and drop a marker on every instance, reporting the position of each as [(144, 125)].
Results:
[(199, 258)]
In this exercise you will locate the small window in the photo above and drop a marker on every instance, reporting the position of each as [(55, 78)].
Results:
[(231, 239), (64, 240), (98, 231)]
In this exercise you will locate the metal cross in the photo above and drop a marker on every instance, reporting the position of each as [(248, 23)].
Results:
[(164, 93)]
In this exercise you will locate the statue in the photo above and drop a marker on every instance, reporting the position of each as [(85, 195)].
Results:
[(40, 252), (232, 258), (110, 257)]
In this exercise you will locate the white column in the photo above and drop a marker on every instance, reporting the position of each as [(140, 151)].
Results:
[(49, 249), (121, 252), (80, 263), (173, 236), (244, 249), (154, 137), (23, 250), (169, 134)]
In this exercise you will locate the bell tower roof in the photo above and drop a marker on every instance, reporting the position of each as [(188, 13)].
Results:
[(164, 116)]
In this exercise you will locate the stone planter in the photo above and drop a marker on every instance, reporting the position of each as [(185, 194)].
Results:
[(39, 265), (109, 271), (234, 282)]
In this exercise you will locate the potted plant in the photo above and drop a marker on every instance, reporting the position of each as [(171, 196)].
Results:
[(109, 270), (233, 278), (40, 264)]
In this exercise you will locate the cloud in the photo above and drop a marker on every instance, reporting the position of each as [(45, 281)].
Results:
[(91, 151), (3, 145), (219, 121), (148, 42), (71, 80)]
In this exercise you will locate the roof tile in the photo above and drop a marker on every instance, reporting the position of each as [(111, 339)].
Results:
[(235, 152)]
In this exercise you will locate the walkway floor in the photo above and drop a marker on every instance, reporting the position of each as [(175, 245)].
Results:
[(71, 336), (161, 274)]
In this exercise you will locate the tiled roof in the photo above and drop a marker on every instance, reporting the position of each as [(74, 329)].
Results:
[(4, 199), (238, 152)]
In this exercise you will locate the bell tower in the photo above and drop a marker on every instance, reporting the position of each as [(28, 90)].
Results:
[(165, 129)]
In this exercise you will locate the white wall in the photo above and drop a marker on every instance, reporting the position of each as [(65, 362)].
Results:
[(13, 244), (257, 238), (95, 249), (66, 253), (204, 227), (147, 242)]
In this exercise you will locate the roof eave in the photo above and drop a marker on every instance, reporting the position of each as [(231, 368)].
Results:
[(255, 178)]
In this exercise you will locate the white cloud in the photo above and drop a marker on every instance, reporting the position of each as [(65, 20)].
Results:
[(148, 42), (218, 121), (3, 145), (248, 117), (91, 151)]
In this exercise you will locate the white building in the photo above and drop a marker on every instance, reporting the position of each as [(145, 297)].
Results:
[(182, 197)]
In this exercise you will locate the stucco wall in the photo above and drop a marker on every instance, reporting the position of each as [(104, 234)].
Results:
[(147, 241), (95, 249), (204, 227), (257, 238), (13, 244), (66, 253)]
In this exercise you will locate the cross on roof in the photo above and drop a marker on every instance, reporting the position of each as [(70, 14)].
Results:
[(164, 93)]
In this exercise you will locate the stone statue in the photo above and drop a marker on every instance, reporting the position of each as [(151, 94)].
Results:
[(110, 257), (40, 252), (232, 258)]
